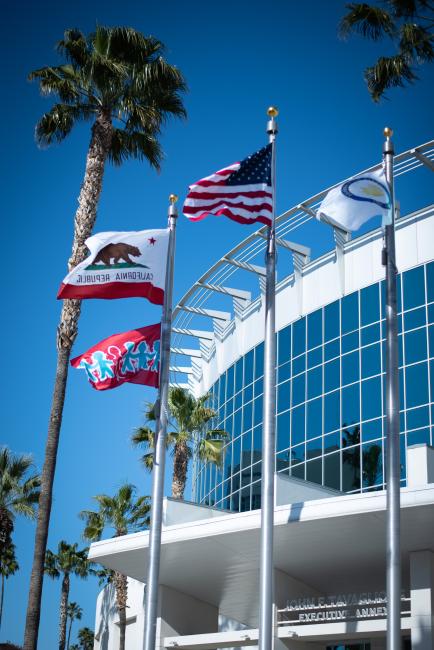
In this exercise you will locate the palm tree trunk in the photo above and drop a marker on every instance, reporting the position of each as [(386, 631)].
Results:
[(180, 467), (69, 633), (63, 611), (66, 333), (121, 586)]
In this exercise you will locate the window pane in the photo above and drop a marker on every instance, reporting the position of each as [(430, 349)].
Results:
[(298, 389), (284, 338), (431, 340), (283, 437), (314, 471), (416, 383), (370, 334), (299, 337), (331, 321), (331, 375), (314, 329), (371, 430), (418, 437), (415, 346), (230, 383), (284, 396), (372, 467), (371, 360), (299, 364), (417, 418), (297, 454), (430, 281), (239, 375), (371, 398), (248, 367), (248, 393), (332, 403), (297, 428), (350, 405), (314, 418), (414, 288), (314, 449), (350, 312), (351, 469), (259, 360), (257, 410), (257, 443), (414, 318), (331, 442), (350, 342), (314, 357), (284, 372), (247, 416), (314, 382), (350, 368), (331, 350), (369, 305), (332, 471)]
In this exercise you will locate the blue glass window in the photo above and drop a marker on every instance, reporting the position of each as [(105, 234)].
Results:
[(314, 382), (248, 393), (299, 337), (283, 430), (297, 454), (350, 342), (222, 388), (230, 382), (415, 346), (431, 313), (248, 368), (314, 471), (331, 350), (372, 466), (350, 312), (314, 329), (314, 357), (414, 318), (331, 375), (247, 416), (299, 364), (416, 383), (417, 418), (314, 418), (431, 340), (332, 411), (237, 422), (370, 334), (258, 387), (350, 405), (331, 321), (284, 338), (297, 427), (350, 368), (414, 288), (371, 430), (371, 360), (239, 375), (284, 372), (298, 389), (331, 442), (351, 469), (369, 305), (238, 400), (332, 471), (371, 398), (257, 410), (418, 437), (430, 281), (313, 449), (259, 360), (284, 396), (257, 443)]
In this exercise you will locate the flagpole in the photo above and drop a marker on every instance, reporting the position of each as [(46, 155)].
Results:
[(393, 470), (152, 582), (269, 418)]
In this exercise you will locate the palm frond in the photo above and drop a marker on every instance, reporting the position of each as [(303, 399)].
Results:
[(369, 21), (74, 47), (416, 43), (55, 125), (388, 72), (137, 145)]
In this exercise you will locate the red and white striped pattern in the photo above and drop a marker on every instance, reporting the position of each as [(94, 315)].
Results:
[(243, 203)]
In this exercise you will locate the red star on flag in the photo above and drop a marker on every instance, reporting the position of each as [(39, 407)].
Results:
[(152, 241)]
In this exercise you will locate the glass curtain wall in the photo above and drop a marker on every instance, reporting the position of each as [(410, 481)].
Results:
[(330, 396)]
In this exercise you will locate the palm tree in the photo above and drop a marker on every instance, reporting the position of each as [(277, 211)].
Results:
[(118, 80), (125, 513), (86, 638), (66, 562), (74, 613), (190, 416), (19, 493), (408, 24), (8, 566)]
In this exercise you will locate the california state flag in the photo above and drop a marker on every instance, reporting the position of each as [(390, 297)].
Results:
[(121, 265)]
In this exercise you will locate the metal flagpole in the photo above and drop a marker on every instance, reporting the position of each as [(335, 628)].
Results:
[(152, 581), (269, 427), (393, 470)]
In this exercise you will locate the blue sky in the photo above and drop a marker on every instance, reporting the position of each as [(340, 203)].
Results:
[(238, 58)]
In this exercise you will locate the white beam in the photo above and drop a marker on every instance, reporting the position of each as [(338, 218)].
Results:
[(211, 313), (186, 370), (199, 334), (253, 268), (235, 293), (187, 352), (423, 159)]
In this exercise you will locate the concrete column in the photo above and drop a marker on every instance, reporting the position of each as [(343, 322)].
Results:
[(422, 600)]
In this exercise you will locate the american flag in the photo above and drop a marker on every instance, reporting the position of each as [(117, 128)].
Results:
[(241, 192)]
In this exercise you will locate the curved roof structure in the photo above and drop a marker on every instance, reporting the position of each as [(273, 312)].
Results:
[(205, 297)]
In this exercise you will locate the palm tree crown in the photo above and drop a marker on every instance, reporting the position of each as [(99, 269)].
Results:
[(86, 638), (117, 72), (408, 23), (190, 416)]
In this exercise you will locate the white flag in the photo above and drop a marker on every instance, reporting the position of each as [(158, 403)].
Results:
[(357, 200), (121, 265)]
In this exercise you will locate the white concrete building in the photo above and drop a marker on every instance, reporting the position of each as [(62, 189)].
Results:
[(330, 513)]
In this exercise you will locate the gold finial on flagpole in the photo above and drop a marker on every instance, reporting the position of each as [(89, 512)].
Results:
[(173, 198), (388, 132), (272, 112)]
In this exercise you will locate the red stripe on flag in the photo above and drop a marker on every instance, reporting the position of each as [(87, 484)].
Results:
[(235, 217), (112, 290), (188, 209), (258, 194)]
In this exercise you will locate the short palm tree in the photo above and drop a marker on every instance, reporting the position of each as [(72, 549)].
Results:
[(409, 24), (66, 562), (86, 638), (125, 513), (189, 417), (8, 566), (19, 493), (118, 80), (73, 613)]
